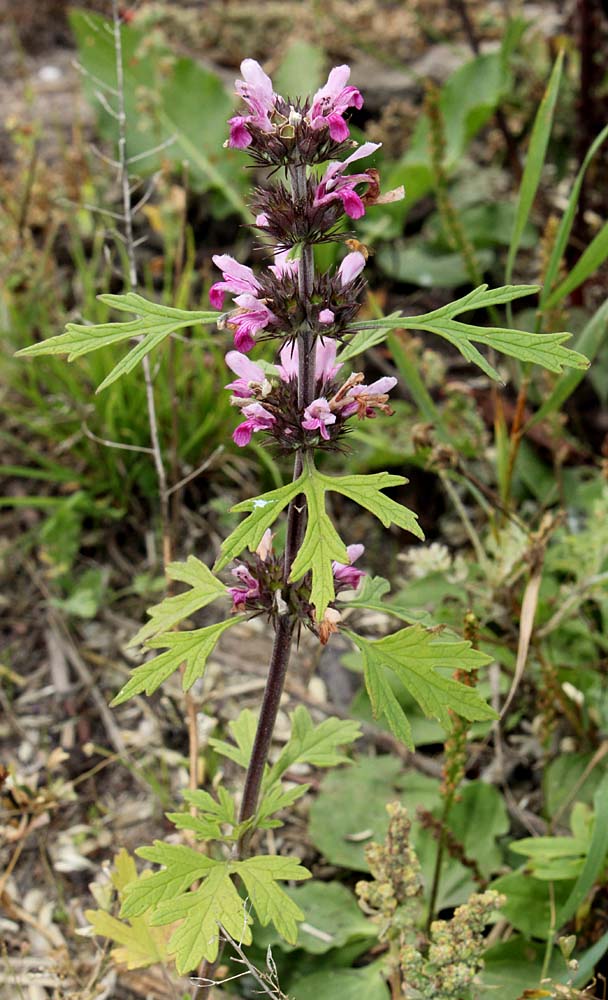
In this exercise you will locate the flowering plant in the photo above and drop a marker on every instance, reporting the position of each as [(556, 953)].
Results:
[(304, 404)]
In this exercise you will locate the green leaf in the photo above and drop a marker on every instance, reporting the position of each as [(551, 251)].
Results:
[(342, 984), (301, 70), (595, 860), (155, 322), (516, 965), (349, 811), (192, 648), (332, 919), (366, 339), (215, 903), (264, 511), (410, 262), (315, 745), (205, 588), (242, 730), (535, 160), (321, 544), (140, 944), (370, 596), (478, 819), (414, 654), (565, 226), (183, 867), (528, 907), (270, 901)]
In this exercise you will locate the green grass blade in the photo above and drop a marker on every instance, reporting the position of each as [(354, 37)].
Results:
[(565, 226), (534, 161), (595, 255), (596, 858), (589, 344)]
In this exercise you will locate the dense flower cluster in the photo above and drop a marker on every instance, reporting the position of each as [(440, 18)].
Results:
[(298, 408), (268, 398), (259, 586)]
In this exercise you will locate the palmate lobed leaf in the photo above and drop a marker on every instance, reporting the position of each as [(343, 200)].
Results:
[(205, 588), (155, 322), (139, 944), (215, 903), (321, 544), (316, 745), (414, 654), (192, 648)]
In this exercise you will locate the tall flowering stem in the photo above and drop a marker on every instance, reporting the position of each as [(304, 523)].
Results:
[(302, 406)]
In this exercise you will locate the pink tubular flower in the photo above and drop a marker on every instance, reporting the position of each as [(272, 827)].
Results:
[(257, 419), (325, 361), (251, 317), (238, 279), (249, 374), (283, 264), (331, 101), (318, 416), (348, 575), (333, 185), (256, 90), (365, 399), (250, 590), (351, 267), (326, 317)]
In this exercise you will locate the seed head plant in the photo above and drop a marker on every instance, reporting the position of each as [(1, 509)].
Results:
[(319, 179)]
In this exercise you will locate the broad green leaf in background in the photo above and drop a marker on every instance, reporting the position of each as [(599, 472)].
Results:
[(535, 160), (478, 819), (342, 984), (332, 919), (301, 70), (414, 654), (139, 944), (528, 907), (413, 263), (187, 108), (513, 966), (154, 324), (192, 648), (349, 811)]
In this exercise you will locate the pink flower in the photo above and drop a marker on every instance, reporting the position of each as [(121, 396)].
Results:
[(250, 374), (250, 590), (318, 416), (257, 419), (256, 90), (365, 399), (237, 279), (283, 264), (325, 361), (334, 186), (251, 317), (326, 316), (331, 101), (347, 575), (351, 267)]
